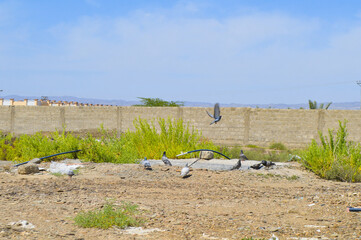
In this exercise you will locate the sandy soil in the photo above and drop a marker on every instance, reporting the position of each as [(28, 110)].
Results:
[(287, 202)]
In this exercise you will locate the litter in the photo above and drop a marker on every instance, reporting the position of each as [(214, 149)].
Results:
[(62, 168)]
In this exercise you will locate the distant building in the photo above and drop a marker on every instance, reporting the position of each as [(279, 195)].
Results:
[(44, 102)]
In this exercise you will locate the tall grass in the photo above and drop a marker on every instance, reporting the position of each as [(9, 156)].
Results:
[(335, 157), (149, 140), (174, 137)]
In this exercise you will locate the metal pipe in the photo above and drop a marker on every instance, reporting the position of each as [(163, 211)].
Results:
[(199, 150), (48, 157)]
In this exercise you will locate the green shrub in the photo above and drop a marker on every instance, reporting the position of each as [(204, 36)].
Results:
[(335, 158), (121, 216), (172, 136)]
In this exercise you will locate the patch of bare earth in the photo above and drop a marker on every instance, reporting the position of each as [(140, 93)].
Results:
[(290, 203)]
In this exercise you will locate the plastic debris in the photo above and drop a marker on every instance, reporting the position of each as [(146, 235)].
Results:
[(62, 168)]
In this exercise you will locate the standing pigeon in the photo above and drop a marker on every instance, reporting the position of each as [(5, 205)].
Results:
[(238, 165), (267, 164), (216, 115), (242, 156), (257, 166), (185, 171), (146, 164), (70, 173), (166, 160)]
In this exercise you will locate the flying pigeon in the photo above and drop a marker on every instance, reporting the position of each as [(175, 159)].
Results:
[(217, 114), (70, 173), (257, 166), (146, 164), (185, 171), (166, 160), (242, 156), (267, 164)]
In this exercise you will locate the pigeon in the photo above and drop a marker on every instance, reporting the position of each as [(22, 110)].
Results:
[(216, 115), (185, 171), (257, 166), (238, 165), (267, 164), (166, 160), (242, 156), (146, 164), (70, 173)]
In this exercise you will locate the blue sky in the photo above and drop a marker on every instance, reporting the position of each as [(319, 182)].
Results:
[(247, 52)]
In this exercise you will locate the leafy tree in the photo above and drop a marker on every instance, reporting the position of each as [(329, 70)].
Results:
[(157, 102), (314, 105)]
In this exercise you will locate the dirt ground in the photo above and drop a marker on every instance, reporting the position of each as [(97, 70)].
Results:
[(289, 203)]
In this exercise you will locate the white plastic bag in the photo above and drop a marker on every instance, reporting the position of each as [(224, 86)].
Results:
[(62, 168)]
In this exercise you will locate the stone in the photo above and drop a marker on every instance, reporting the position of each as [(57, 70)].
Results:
[(28, 169), (35, 161), (207, 155)]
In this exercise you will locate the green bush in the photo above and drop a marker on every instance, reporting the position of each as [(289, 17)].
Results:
[(172, 136), (335, 158), (122, 216)]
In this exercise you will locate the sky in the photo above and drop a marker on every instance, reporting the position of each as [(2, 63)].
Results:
[(229, 51)]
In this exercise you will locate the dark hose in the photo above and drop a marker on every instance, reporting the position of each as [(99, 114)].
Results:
[(48, 157), (352, 209), (199, 150)]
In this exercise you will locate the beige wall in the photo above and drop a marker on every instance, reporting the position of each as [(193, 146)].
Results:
[(239, 126)]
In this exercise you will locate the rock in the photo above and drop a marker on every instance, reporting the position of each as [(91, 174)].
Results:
[(206, 155), (28, 169), (34, 161)]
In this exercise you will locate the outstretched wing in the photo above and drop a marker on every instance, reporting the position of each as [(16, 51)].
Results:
[(217, 111), (209, 114)]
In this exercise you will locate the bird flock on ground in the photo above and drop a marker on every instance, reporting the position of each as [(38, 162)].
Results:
[(185, 170)]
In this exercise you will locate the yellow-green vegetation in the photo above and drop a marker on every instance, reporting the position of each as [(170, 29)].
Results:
[(278, 146), (110, 215), (335, 157), (149, 140)]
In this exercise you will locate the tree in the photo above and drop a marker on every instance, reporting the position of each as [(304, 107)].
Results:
[(313, 105), (157, 102)]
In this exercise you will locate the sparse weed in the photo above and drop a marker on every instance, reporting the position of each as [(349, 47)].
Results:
[(110, 215)]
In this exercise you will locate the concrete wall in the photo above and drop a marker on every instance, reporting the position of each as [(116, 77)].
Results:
[(239, 126)]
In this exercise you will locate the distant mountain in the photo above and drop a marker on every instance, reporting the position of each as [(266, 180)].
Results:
[(119, 102)]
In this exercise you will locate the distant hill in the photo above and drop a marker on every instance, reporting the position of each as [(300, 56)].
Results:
[(120, 102)]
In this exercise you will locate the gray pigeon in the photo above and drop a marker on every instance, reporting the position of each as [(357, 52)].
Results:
[(70, 173), (166, 160), (238, 165), (257, 166), (216, 115), (146, 164), (242, 156), (185, 171), (267, 164)]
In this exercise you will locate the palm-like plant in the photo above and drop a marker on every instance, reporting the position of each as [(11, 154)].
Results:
[(314, 105)]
